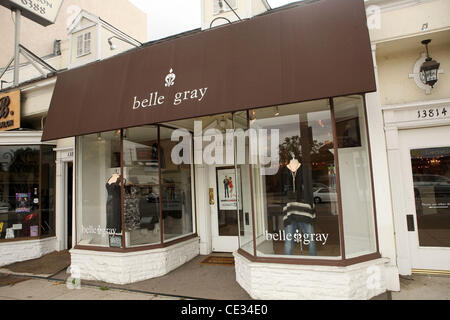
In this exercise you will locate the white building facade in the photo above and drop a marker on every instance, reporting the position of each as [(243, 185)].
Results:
[(388, 147)]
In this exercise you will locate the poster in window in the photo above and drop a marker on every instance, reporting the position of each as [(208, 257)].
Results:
[(348, 133), (9, 234), (115, 241), (227, 189), (34, 231), (23, 202)]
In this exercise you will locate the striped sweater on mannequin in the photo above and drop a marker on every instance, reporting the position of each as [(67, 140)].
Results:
[(298, 212)]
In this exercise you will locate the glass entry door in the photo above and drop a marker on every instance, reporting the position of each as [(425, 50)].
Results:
[(426, 171), (225, 218)]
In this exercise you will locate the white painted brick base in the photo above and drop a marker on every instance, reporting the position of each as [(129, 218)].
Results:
[(130, 267), (12, 252), (270, 281)]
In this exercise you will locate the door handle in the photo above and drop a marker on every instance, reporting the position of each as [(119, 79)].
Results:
[(211, 196), (410, 222)]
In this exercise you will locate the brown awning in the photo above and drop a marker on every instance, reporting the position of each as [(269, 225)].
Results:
[(311, 51)]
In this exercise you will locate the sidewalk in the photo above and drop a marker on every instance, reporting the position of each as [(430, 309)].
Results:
[(40, 289), (423, 287)]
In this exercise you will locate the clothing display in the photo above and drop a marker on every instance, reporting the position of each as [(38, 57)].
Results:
[(149, 211), (113, 210), (299, 214), (131, 209)]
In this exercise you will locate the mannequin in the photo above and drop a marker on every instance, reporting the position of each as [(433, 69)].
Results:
[(293, 166), (113, 219), (299, 212)]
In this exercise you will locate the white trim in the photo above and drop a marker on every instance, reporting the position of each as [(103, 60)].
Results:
[(22, 138), (395, 119), (81, 29), (99, 42), (413, 104), (62, 159), (39, 85), (411, 35), (70, 50), (82, 14), (63, 149), (390, 5)]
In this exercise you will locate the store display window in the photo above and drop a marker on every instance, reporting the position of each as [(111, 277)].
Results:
[(27, 192), (130, 194), (316, 202)]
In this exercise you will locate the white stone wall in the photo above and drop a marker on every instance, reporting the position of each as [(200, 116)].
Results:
[(125, 268), (270, 281), (12, 252)]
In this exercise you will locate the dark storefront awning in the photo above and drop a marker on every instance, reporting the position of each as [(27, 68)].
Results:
[(311, 51)]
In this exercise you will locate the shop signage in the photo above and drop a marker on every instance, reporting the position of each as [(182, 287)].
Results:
[(43, 12), (233, 68), (10, 111), (156, 99)]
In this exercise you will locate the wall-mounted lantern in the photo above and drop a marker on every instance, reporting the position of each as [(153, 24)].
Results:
[(429, 69)]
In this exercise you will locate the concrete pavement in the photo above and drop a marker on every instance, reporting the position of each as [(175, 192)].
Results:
[(12, 287), (41, 289), (423, 287)]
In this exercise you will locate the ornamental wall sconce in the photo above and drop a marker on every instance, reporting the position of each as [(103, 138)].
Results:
[(426, 70), (430, 68)]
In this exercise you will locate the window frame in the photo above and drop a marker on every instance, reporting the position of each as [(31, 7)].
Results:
[(82, 41), (163, 243), (342, 261)]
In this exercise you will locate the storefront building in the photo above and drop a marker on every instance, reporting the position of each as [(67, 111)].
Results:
[(27, 204), (234, 139), (310, 114), (36, 180), (416, 123)]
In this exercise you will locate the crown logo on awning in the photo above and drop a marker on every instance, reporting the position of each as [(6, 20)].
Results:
[(170, 78)]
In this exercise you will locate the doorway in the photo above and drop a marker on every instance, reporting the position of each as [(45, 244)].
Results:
[(224, 215), (69, 202), (425, 157)]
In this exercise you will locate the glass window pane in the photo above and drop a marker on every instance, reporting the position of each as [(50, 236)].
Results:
[(294, 181), (431, 175), (176, 183), (99, 190), (19, 191), (142, 191), (355, 174), (243, 181), (48, 172)]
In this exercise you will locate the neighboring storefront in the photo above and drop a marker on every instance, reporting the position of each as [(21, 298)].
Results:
[(416, 117), (27, 190), (175, 155), (42, 223)]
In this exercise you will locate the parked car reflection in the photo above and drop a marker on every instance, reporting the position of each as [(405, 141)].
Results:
[(325, 195)]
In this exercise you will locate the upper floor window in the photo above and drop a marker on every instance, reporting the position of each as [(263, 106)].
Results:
[(221, 6), (84, 44)]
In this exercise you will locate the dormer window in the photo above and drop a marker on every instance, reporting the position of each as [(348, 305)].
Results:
[(84, 44), (220, 6)]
